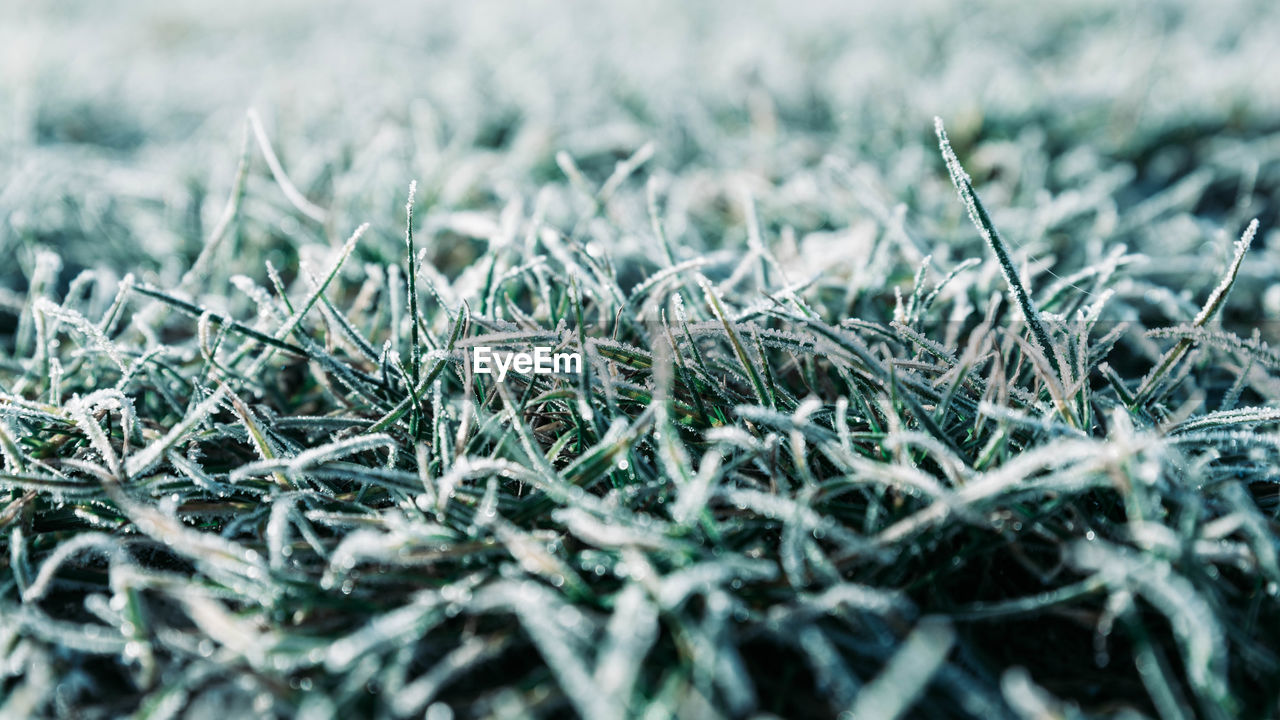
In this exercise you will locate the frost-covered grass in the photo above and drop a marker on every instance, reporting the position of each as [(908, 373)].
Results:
[(873, 420)]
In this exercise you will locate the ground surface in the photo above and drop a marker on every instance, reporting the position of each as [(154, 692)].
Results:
[(851, 438)]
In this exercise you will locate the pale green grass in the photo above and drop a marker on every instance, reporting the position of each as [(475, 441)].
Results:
[(836, 450)]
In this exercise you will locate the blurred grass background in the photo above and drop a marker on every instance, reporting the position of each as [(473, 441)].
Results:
[(122, 120)]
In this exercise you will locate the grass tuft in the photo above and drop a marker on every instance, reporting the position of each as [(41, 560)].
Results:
[(829, 454)]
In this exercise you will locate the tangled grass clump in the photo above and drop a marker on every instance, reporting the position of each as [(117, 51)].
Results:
[(282, 510), (835, 450)]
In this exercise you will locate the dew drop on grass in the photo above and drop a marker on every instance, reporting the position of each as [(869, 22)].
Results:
[(568, 616), (439, 711)]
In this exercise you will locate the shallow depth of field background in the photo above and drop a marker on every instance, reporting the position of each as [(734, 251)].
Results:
[(121, 123)]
